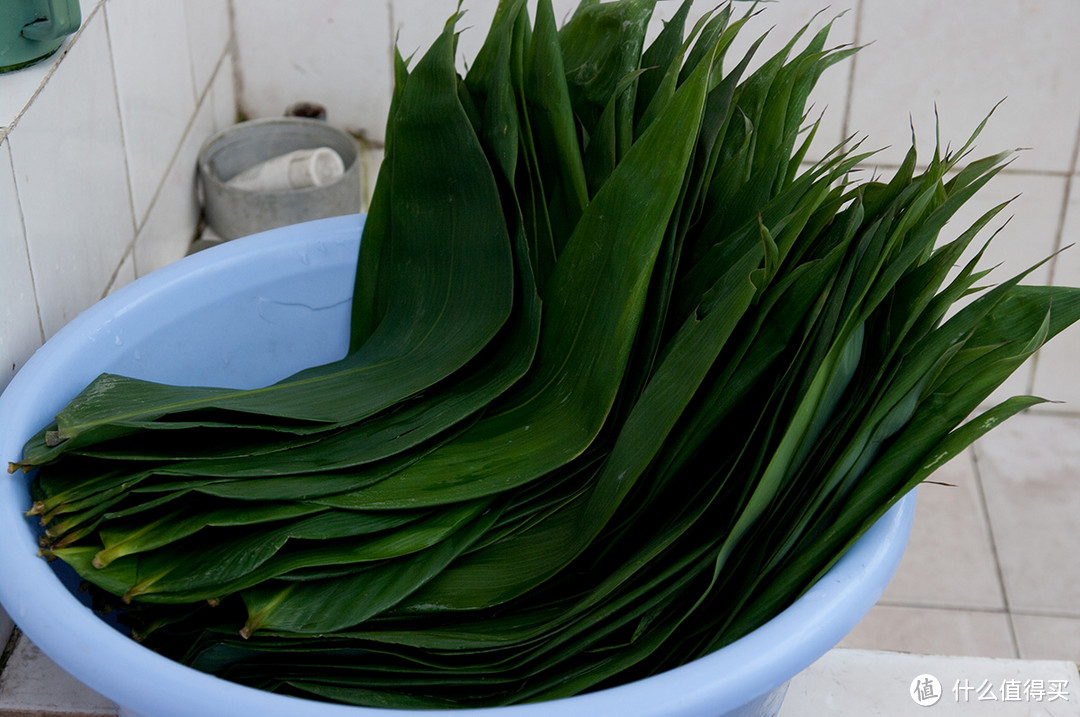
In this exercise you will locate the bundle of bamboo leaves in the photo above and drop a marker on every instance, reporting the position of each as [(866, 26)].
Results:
[(626, 377)]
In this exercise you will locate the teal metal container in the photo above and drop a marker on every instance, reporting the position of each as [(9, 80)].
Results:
[(32, 30)]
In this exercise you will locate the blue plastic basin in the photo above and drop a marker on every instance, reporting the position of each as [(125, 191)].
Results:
[(255, 310)]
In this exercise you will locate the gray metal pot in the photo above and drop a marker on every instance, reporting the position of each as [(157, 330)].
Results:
[(231, 212)]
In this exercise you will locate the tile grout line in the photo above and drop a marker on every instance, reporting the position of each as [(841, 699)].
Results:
[(26, 242), (981, 492), (61, 54), (1074, 161), (1050, 173), (191, 58), (946, 607), (943, 607), (9, 647), (1048, 613), (127, 163), (232, 48), (845, 125), (6, 135), (200, 101), (1059, 236)]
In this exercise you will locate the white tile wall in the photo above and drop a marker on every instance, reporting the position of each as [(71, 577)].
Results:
[(223, 94), (1048, 637), (68, 155), (964, 56), (20, 87), (88, 6), (333, 53), (372, 158), (21, 332), (857, 683), (170, 225), (105, 152), (94, 141), (156, 91), (933, 631), (1058, 361), (125, 274), (208, 31)]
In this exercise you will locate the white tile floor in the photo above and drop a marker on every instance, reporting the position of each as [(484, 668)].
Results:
[(991, 568), (860, 683)]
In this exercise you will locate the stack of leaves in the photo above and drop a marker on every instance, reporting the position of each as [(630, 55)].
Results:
[(626, 377)]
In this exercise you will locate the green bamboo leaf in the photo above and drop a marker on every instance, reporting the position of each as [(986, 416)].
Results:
[(490, 85), (915, 293), (326, 606), (554, 134), (711, 35), (485, 578), (604, 150), (654, 322), (601, 44), (212, 567), (116, 578), (196, 444), (814, 409), (864, 508), (666, 81), (370, 292), (761, 277), (741, 362), (307, 486), (80, 494), (182, 522), (449, 406), (435, 320), (339, 548), (580, 360), (778, 323), (389, 699), (663, 54)]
